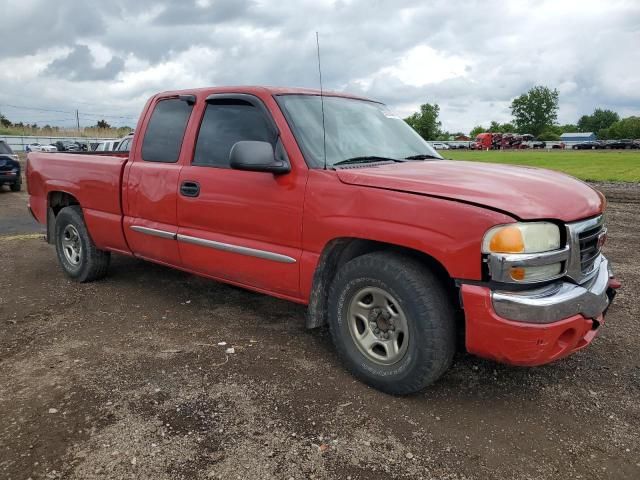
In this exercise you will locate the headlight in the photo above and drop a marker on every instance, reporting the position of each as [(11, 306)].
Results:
[(533, 237), (512, 252)]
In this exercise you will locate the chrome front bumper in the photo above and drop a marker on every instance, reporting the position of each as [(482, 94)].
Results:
[(557, 301)]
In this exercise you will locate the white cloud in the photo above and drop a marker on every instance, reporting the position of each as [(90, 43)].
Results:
[(471, 57)]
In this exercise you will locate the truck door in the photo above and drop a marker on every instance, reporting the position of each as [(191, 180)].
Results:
[(240, 226), (151, 183)]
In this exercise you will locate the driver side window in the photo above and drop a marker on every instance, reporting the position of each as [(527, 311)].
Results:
[(224, 123)]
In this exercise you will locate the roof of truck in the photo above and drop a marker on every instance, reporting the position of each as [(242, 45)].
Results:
[(256, 90)]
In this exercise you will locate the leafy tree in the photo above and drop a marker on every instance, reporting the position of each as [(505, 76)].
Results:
[(476, 130), (549, 136), (626, 128), (497, 127), (4, 121), (535, 110), (566, 128), (102, 124), (598, 120), (426, 122)]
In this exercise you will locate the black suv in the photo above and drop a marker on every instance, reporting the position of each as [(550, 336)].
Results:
[(588, 145), (9, 168), (624, 143)]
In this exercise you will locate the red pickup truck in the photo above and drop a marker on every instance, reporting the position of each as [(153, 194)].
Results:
[(332, 202)]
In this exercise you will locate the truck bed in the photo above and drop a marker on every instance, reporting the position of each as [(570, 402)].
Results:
[(95, 181)]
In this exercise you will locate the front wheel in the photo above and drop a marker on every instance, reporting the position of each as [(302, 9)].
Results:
[(77, 254), (16, 187), (392, 322)]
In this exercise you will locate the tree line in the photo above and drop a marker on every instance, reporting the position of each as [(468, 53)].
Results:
[(534, 112), (7, 127)]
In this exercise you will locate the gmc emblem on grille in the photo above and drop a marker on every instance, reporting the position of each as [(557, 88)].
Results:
[(602, 237)]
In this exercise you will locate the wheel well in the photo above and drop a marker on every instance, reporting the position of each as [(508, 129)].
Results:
[(56, 201), (341, 250)]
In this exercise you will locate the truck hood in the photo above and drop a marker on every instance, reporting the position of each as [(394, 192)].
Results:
[(524, 192)]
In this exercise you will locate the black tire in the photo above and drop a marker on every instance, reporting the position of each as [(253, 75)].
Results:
[(426, 305), (16, 187), (92, 264)]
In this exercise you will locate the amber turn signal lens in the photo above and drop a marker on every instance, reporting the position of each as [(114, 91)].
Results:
[(507, 240), (518, 273)]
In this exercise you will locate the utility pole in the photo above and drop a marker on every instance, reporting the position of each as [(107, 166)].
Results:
[(78, 121)]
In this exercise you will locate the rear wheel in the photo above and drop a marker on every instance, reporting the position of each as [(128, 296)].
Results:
[(391, 322), (77, 254)]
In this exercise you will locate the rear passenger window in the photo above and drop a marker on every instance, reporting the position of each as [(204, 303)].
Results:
[(226, 122), (165, 131)]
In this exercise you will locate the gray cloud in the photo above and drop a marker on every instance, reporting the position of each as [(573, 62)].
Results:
[(188, 13), (78, 65), (587, 49)]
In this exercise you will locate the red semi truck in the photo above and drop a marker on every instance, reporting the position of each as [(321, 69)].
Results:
[(406, 256)]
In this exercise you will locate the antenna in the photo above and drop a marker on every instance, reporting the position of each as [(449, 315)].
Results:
[(324, 131)]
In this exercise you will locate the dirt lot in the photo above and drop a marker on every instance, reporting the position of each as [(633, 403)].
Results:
[(124, 378)]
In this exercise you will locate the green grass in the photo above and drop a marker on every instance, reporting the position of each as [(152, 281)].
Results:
[(598, 165)]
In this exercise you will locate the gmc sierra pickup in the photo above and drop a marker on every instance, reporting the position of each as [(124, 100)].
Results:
[(333, 202)]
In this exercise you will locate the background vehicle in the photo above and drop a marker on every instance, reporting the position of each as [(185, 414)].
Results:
[(67, 146), (124, 144), (36, 147), (589, 145), (440, 145), (461, 145), (106, 146), (621, 144), (399, 251), (9, 168)]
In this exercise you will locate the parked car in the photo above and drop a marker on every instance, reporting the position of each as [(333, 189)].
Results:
[(440, 146), (558, 146), (10, 173), (107, 146), (124, 144), (36, 147), (400, 252), (533, 144), (588, 145), (67, 146), (623, 143), (82, 146), (458, 145)]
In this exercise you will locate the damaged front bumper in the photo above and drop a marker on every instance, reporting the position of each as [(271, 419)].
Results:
[(536, 326)]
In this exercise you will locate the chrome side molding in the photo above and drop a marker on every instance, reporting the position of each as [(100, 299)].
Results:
[(154, 232), (227, 247)]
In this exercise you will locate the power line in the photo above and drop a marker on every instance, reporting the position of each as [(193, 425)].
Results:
[(72, 112)]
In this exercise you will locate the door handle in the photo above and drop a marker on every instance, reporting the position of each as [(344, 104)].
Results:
[(190, 189)]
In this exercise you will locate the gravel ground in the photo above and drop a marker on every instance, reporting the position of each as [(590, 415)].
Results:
[(125, 378)]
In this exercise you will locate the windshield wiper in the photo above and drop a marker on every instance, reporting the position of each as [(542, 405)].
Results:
[(367, 159), (422, 156)]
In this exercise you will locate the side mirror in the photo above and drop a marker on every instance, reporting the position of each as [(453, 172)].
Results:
[(256, 157)]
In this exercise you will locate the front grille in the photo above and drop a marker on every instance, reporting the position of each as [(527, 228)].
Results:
[(589, 241)]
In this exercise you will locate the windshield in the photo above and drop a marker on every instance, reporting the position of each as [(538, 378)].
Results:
[(354, 129)]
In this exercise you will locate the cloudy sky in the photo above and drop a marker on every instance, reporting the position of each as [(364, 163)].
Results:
[(106, 57)]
